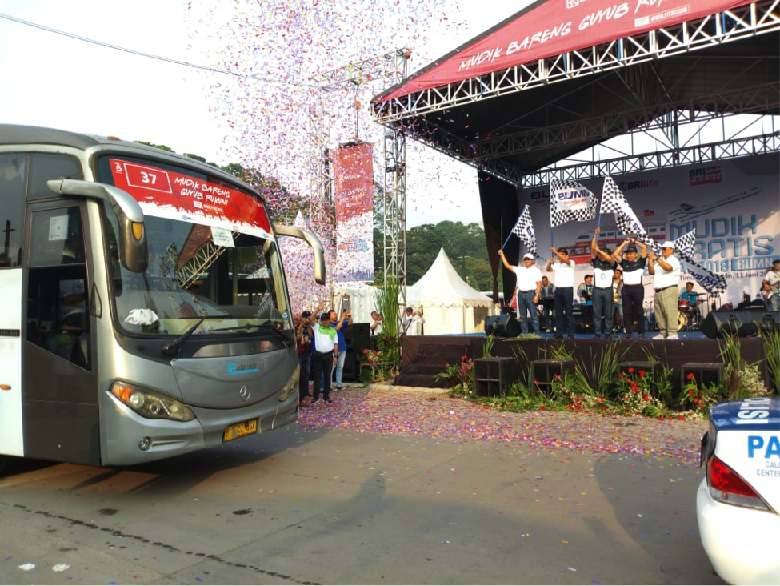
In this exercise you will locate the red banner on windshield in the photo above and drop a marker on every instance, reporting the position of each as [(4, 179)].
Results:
[(189, 198), (559, 26)]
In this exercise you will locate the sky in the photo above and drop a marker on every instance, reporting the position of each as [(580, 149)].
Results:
[(61, 82)]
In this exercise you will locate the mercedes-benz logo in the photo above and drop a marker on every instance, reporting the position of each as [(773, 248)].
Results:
[(243, 392)]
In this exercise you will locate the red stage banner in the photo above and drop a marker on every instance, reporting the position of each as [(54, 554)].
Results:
[(559, 26), (353, 197), (174, 195)]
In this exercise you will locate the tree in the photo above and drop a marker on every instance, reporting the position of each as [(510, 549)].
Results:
[(463, 244)]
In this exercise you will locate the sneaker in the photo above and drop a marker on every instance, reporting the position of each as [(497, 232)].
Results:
[(558, 336), (672, 337), (338, 387), (640, 336), (315, 401), (570, 336), (627, 337), (597, 337), (328, 400)]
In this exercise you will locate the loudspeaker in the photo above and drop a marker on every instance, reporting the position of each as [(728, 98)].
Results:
[(742, 323), (357, 338), (503, 326)]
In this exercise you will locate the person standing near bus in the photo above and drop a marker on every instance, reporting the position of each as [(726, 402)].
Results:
[(325, 340), (633, 291), (563, 275), (303, 337), (666, 285), (340, 354), (529, 285)]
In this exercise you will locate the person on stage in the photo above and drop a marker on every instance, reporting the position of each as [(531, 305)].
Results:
[(529, 284), (585, 295), (692, 297), (633, 291), (773, 278), (617, 299), (548, 302), (563, 275), (665, 283), (603, 272)]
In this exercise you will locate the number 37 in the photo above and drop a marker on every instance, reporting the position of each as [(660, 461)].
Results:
[(150, 178)]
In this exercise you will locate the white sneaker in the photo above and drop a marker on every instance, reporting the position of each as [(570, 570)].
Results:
[(672, 337)]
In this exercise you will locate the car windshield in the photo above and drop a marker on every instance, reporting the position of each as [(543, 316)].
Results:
[(232, 281)]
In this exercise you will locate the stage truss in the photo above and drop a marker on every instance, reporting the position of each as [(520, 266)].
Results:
[(638, 50), (704, 153), (387, 69)]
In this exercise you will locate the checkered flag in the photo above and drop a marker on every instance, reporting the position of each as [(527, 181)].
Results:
[(570, 201), (524, 229), (713, 283), (684, 245), (613, 201)]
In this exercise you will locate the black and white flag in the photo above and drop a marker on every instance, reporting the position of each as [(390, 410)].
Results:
[(524, 229), (571, 201), (713, 283), (684, 245), (613, 201)]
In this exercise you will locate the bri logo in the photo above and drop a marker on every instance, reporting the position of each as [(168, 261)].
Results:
[(242, 368)]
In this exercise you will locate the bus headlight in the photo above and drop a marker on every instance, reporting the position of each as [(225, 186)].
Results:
[(150, 404), (291, 386)]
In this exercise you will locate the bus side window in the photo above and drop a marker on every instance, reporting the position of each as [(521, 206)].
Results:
[(57, 308), (46, 166), (13, 176)]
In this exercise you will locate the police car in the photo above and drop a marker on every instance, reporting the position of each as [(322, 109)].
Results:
[(738, 501)]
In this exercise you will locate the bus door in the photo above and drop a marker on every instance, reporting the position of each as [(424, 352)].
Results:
[(60, 403)]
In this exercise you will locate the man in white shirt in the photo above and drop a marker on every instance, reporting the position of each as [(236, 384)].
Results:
[(529, 284), (376, 323), (773, 278), (667, 276), (563, 275), (325, 341), (603, 270)]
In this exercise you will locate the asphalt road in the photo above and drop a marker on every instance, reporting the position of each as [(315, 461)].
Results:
[(305, 506)]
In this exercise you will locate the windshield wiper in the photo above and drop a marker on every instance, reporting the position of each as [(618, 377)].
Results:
[(172, 349), (259, 328)]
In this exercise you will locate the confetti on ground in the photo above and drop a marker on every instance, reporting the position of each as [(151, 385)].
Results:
[(402, 410)]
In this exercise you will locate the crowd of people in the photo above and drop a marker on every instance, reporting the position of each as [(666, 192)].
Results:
[(611, 299), (322, 347), (322, 350)]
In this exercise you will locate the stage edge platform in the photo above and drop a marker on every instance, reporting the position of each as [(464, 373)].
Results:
[(671, 353)]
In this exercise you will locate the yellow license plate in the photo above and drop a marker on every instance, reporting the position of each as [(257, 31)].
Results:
[(239, 430)]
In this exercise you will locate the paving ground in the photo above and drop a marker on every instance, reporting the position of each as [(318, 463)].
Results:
[(385, 485)]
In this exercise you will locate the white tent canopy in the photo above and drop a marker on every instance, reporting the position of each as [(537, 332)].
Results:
[(448, 303)]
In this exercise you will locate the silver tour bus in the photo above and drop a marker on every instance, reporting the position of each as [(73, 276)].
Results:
[(145, 308)]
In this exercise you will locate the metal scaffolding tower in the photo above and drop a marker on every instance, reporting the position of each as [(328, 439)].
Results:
[(375, 73)]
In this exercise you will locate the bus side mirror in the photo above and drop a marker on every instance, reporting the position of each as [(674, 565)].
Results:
[(313, 241), (133, 250)]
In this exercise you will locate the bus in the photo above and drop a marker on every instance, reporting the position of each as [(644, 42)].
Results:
[(146, 311)]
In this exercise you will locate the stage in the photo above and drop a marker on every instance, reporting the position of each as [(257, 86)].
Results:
[(424, 356)]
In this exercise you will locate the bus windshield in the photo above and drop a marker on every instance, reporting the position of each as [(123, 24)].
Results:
[(222, 269)]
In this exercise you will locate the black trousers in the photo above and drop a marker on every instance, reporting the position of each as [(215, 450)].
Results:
[(633, 296), (322, 365)]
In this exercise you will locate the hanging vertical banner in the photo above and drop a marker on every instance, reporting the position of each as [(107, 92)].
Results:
[(353, 197)]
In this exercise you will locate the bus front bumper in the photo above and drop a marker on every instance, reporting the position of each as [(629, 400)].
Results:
[(135, 439)]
